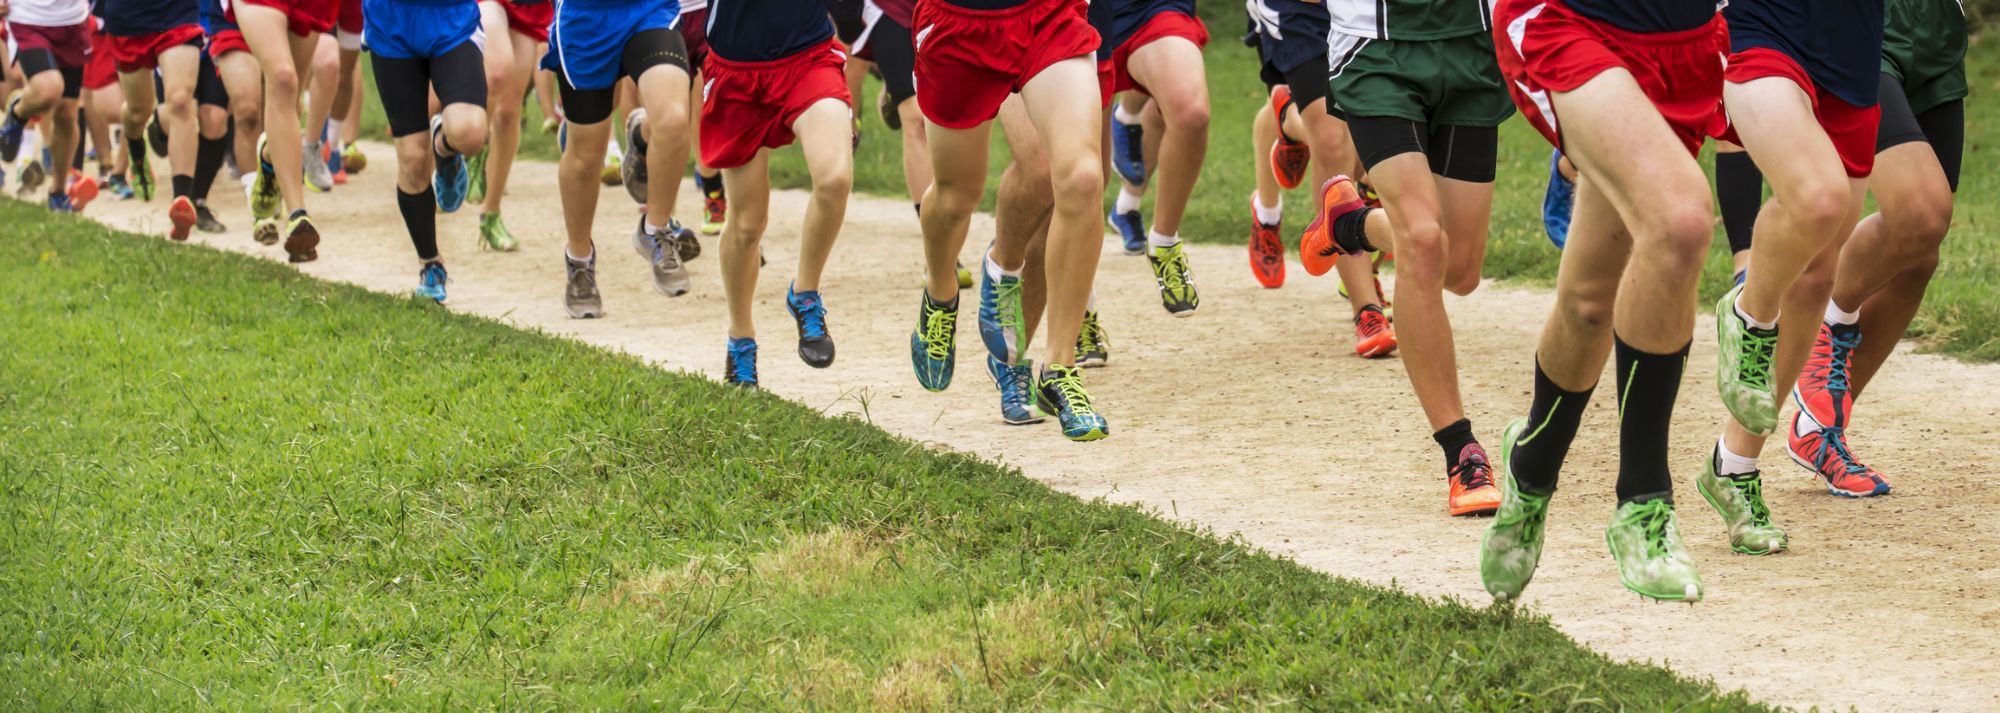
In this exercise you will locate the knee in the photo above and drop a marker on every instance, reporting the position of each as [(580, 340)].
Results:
[(1823, 205), (1077, 179), (1464, 282), (1680, 237), (1420, 253), (467, 133), (180, 102), (1926, 223), (248, 112), (745, 227), (46, 86), (214, 122), (834, 183), (505, 111), (1189, 115), (282, 81), (667, 124), (413, 166), (1592, 312)]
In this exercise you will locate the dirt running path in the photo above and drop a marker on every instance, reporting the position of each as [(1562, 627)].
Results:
[(1254, 417)]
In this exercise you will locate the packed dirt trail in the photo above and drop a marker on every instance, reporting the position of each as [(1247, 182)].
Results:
[(1255, 417)]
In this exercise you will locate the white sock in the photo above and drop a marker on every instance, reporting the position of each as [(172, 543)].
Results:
[(654, 230), (1732, 464), (249, 181), (1838, 316), (1091, 304), (333, 132), (1162, 242), (1753, 321), (574, 258), (1123, 116), (614, 151), (1268, 215), (1129, 201)]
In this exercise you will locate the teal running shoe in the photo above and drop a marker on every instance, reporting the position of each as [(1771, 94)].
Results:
[(1017, 388), (1001, 319), (815, 343), (1558, 202), (1743, 367), (1739, 499), (449, 179), (1512, 547), (430, 282), (1645, 539), (739, 368), (1060, 392), (1128, 156), (933, 347)]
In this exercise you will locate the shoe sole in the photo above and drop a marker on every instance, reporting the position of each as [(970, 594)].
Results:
[(1472, 511), (265, 233), (302, 246), (1803, 463), (183, 221), (1092, 363), (1095, 434), (575, 313), (1373, 349)]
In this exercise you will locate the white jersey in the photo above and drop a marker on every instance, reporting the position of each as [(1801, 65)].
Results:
[(48, 13), (688, 6)]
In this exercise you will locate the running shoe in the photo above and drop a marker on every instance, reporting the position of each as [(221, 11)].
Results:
[(156, 135), (33, 173), (739, 366), (115, 184), (1512, 546), (933, 346), (141, 169), (1374, 334), (1743, 367), (1093, 346), (1001, 317), (1822, 389), (580, 297), (1558, 202), (1128, 150), (1131, 226), (670, 276), (264, 231), (690, 244), (59, 203), (1267, 252), (1739, 499), (12, 130), (809, 310), (964, 276), (301, 238), (1645, 539), (475, 169), (1823, 450), (430, 282), (312, 161), (1289, 157), (336, 161), (614, 168), (1319, 246), (632, 169), (449, 179), (1060, 392), (714, 208), (1017, 388), (493, 234), (1470, 483), (353, 160), (550, 124), (82, 190), (204, 220), (1176, 280), (182, 215), (264, 196)]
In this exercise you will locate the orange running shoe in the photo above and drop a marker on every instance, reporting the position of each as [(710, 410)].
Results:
[(181, 212), (82, 190), (1267, 252), (1374, 336), (1471, 479), (1823, 450), (1318, 248), (1289, 157)]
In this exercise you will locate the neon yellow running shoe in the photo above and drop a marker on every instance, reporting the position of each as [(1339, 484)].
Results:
[(1176, 280), (493, 234)]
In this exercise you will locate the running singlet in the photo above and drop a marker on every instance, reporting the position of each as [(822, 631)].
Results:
[(1649, 16), (1411, 19), (48, 13), (1837, 42), (1118, 20), (138, 18), (764, 30), (1290, 32), (213, 21)]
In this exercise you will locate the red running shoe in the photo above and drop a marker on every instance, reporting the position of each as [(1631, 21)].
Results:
[(1823, 450), (1374, 336), (1822, 389), (181, 212), (1289, 157), (82, 190), (1471, 484), (1318, 248), (1267, 252)]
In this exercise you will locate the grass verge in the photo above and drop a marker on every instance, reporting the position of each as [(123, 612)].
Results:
[(224, 483)]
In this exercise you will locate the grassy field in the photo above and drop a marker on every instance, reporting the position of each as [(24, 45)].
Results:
[(1962, 316), (226, 484)]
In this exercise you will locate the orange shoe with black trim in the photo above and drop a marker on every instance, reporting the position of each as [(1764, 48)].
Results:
[(1472, 491), (1289, 157), (1374, 336), (1319, 246), (1267, 251)]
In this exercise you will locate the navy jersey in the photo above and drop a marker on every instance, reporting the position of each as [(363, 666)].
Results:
[(213, 21), (764, 30), (1290, 32), (136, 18), (1651, 15), (1117, 20), (1837, 42)]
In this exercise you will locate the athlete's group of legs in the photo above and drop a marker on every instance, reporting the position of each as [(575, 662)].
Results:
[(1404, 95)]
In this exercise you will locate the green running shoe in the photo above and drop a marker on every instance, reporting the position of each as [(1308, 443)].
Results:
[(1060, 392), (964, 276), (493, 234), (1743, 367), (1739, 499), (1645, 538), (934, 344), (475, 168), (1093, 346), (141, 170), (1170, 270), (264, 191), (1512, 547)]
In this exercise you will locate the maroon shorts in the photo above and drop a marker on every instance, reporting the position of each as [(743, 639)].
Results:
[(227, 41), (303, 17), (1851, 128), (747, 106), (968, 61), (694, 33), (1158, 27), (1545, 47), (141, 53), (99, 71), (70, 45), (350, 19), (531, 20)]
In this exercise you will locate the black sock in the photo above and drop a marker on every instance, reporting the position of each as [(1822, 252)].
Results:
[(920, 210), (1739, 192), (82, 132), (135, 149), (1552, 421), (1647, 387), (442, 147), (1350, 231), (420, 217), (1453, 439), (297, 214), (207, 162), (183, 185)]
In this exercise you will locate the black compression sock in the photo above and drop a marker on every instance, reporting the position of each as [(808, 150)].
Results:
[(420, 217), (1350, 230), (83, 132), (1453, 439), (1647, 387), (1538, 455), (135, 149), (207, 162), (183, 185), (1739, 192)]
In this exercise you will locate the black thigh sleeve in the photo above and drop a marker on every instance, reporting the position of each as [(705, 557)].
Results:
[(1308, 81), (653, 48), (1944, 127), (36, 61), (1899, 124), (1464, 153), (1380, 138), (208, 89), (896, 58), (459, 75), (847, 19), (404, 85), (584, 106)]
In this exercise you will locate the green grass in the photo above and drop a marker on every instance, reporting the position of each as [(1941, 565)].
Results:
[(1961, 316), (226, 484)]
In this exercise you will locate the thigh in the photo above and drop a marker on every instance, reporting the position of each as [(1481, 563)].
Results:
[(404, 85), (1614, 134), (1063, 100), (1377, 139), (658, 47), (1464, 153), (1775, 120), (1170, 68), (180, 67), (1944, 130), (826, 138), (459, 75)]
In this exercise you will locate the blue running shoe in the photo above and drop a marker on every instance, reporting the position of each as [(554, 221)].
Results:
[(59, 203), (1740, 275), (1017, 388), (740, 367), (430, 282), (1132, 226), (11, 130), (336, 161), (562, 136), (933, 347), (1128, 151), (449, 179), (815, 344), (1558, 202), (1001, 316), (1060, 392)]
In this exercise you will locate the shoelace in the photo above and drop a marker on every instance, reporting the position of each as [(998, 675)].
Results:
[(433, 275), (715, 207), (1843, 350), (1833, 442), (812, 317), (1008, 292), (939, 323), (1756, 353), (1530, 519), (667, 248), (1091, 335), (1020, 382), (582, 279), (1473, 472), (1173, 269), (743, 361), (1752, 490), (1069, 384), (1371, 322), (1653, 519)]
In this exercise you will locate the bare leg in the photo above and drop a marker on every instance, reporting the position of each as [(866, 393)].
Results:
[(244, 82), (664, 90), (284, 58), (1072, 131), (825, 135), (1172, 69), (749, 188), (325, 88)]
